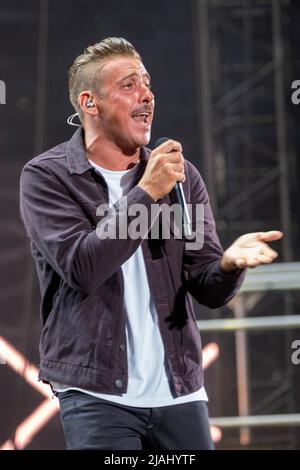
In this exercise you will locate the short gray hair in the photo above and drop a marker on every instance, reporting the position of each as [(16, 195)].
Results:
[(84, 72)]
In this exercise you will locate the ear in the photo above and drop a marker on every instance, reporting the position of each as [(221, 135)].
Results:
[(83, 99)]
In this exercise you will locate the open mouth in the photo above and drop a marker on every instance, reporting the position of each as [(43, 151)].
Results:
[(144, 117)]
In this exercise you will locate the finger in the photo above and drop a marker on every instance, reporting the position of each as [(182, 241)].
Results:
[(247, 263), (252, 262), (170, 146), (173, 157), (179, 176), (250, 237), (264, 259), (178, 167), (255, 261), (262, 248), (271, 235), (262, 236), (241, 263), (260, 259), (269, 252)]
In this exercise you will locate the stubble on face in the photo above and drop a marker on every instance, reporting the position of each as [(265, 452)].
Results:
[(126, 106)]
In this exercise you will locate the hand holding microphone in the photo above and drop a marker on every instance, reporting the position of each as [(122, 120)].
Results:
[(164, 172), (165, 167)]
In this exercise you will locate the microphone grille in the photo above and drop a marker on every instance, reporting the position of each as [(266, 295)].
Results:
[(160, 141)]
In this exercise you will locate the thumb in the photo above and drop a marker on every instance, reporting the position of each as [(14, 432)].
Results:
[(269, 236)]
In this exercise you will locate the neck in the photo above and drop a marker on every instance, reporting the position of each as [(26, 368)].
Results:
[(107, 154)]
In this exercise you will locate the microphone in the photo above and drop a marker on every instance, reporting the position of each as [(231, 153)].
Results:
[(179, 199)]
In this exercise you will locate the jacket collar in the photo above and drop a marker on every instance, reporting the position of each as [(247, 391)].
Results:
[(76, 156)]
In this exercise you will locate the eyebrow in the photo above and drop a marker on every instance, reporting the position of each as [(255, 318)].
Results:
[(146, 74)]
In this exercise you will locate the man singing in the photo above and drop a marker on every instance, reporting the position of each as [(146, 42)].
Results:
[(120, 345)]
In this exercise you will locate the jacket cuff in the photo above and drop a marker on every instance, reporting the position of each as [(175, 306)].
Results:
[(234, 277)]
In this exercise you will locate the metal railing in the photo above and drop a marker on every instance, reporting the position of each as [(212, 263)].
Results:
[(279, 276), (252, 323), (292, 419)]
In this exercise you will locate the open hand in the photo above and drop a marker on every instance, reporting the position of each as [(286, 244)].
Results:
[(250, 250)]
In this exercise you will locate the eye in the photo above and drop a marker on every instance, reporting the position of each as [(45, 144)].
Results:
[(128, 85)]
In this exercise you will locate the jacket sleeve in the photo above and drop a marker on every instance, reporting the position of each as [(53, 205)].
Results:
[(60, 231), (204, 279)]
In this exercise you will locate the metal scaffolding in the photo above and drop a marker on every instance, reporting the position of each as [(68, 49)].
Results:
[(241, 65), (263, 278), (240, 62)]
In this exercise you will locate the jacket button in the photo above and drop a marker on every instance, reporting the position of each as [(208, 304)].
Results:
[(119, 383), (122, 347)]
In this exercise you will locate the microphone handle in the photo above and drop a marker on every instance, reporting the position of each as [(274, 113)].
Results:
[(180, 198)]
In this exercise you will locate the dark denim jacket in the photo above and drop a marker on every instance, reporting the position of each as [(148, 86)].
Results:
[(83, 341)]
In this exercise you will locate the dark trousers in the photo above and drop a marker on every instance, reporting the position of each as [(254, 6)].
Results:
[(93, 423)]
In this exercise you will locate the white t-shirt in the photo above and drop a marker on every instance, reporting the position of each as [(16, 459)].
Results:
[(148, 384)]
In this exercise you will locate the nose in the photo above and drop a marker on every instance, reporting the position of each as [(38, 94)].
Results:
[(146, 94)]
